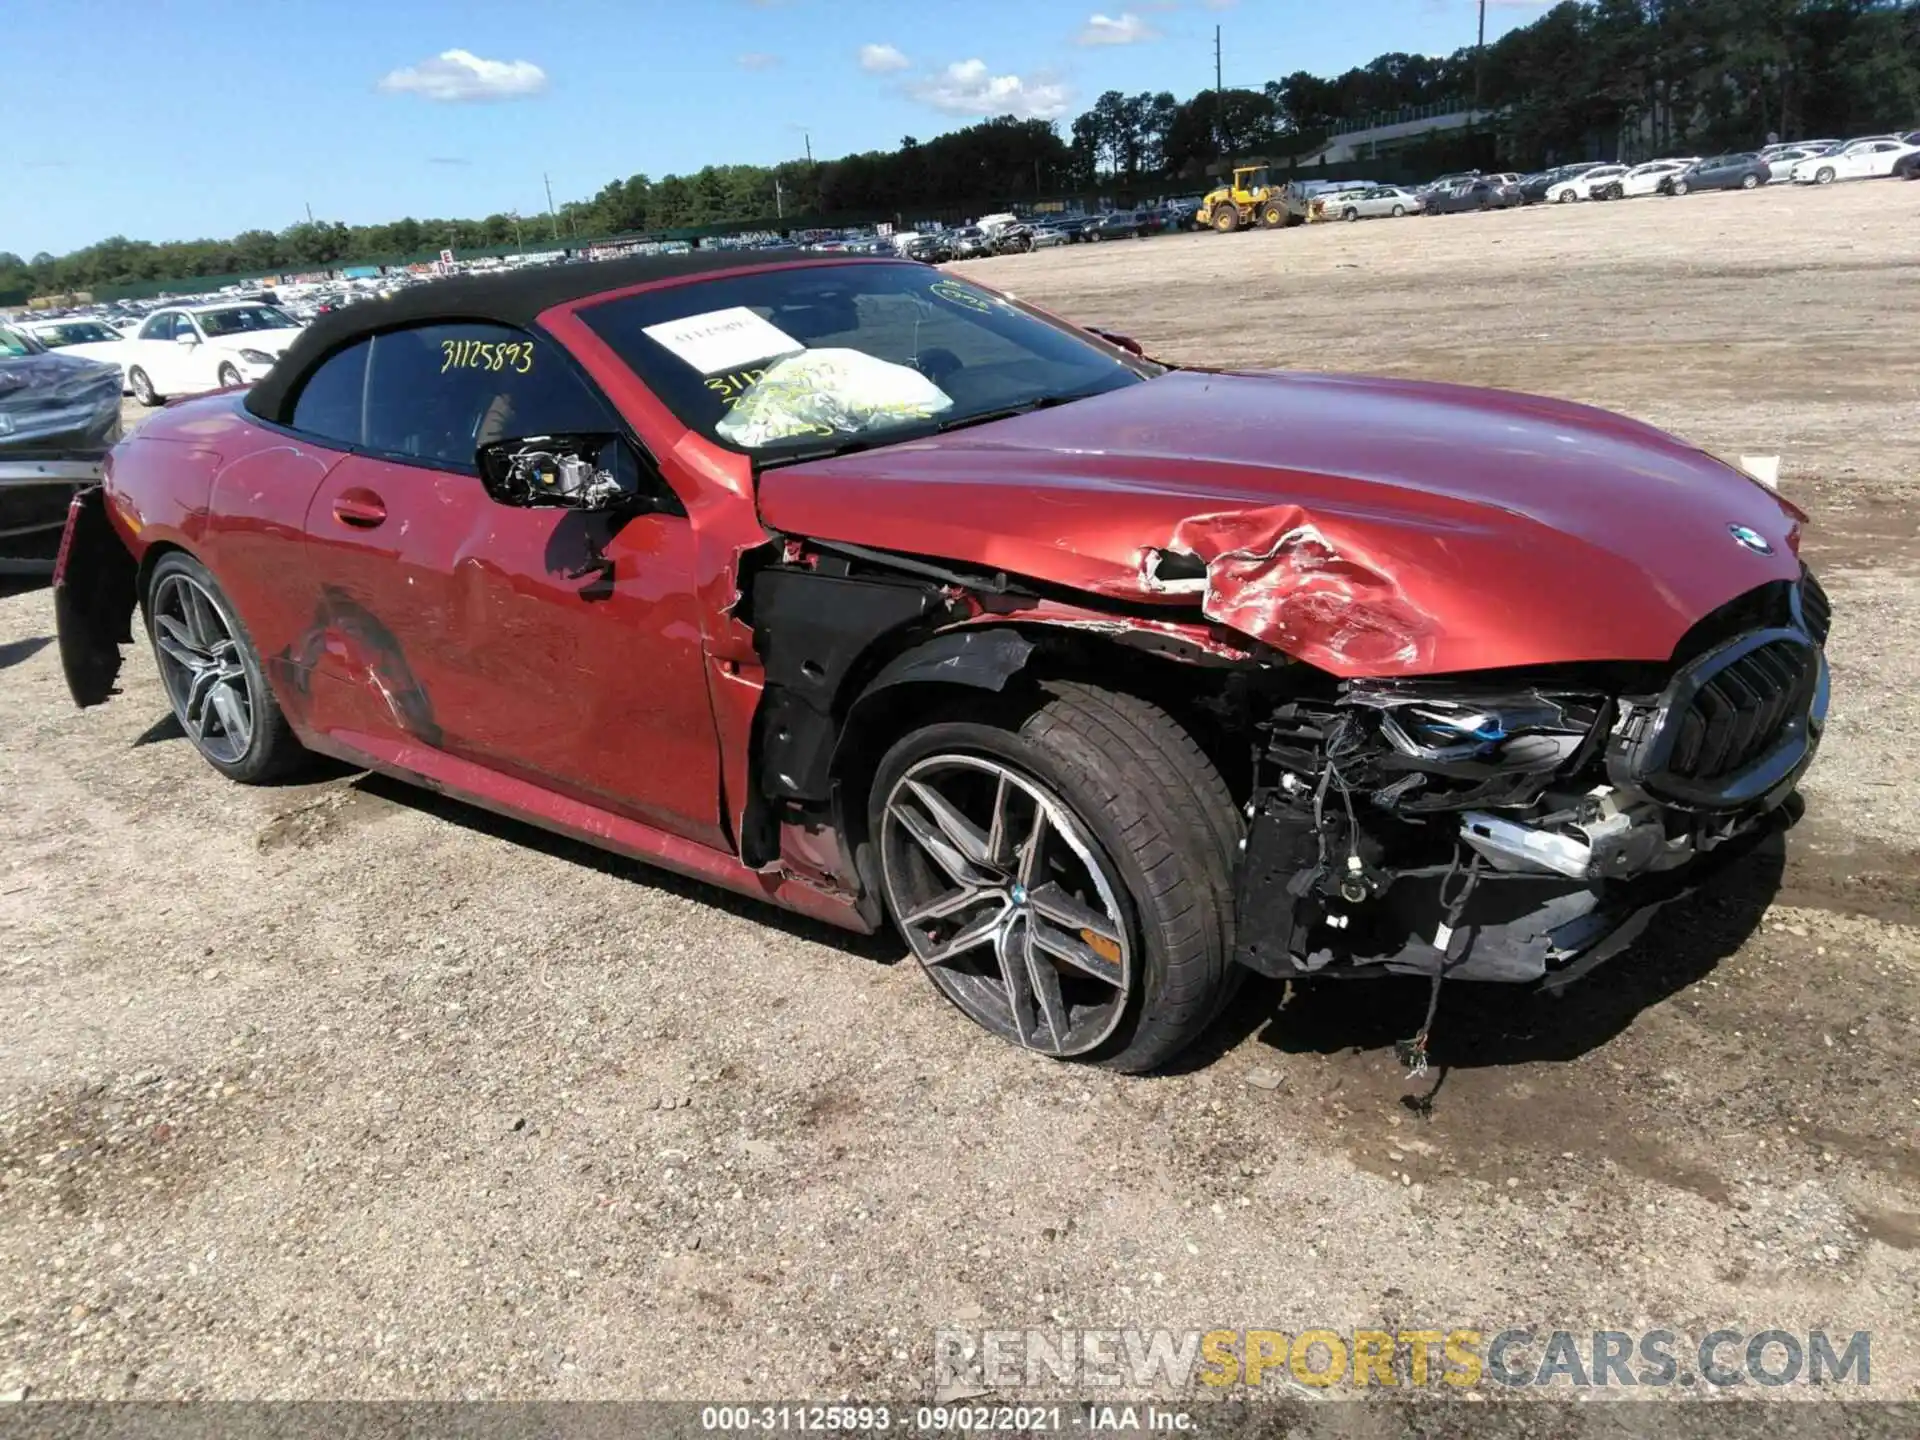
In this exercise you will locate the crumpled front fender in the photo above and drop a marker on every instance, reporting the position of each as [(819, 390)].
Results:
[(1273, 573)]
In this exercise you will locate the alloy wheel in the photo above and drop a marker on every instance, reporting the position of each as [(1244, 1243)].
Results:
[(1008, 903), (142, 387), (202, 668)]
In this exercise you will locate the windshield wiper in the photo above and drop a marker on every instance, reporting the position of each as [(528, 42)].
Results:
[(1007, 412), (829, 452)]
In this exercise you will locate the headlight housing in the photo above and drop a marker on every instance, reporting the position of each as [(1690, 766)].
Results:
[(1526, 732), (256, 357)]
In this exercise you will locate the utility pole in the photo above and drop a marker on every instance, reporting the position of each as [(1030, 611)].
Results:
[(779, 201), (309, 212), (1479, 55), (552, 214), (1219, 97), (806, 137)]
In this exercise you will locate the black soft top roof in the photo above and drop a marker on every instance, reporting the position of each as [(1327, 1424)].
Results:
[(512, 297)]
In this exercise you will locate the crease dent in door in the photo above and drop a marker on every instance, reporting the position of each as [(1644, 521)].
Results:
[(365, 647)]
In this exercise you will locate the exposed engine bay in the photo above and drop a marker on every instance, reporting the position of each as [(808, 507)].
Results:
[(1522, 829)]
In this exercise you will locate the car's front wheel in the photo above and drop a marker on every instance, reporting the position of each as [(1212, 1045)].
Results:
[(213, 676), (229, 377), (1066, 881), (142, 387), (1823, 176), (1680, 187), (1747, 182)]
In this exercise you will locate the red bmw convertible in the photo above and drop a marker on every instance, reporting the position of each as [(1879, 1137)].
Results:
[(862, 588)]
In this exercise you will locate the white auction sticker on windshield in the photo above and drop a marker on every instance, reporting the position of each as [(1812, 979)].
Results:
[(724, 339)]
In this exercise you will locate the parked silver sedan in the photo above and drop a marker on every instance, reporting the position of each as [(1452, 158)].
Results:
[(1373, 202)]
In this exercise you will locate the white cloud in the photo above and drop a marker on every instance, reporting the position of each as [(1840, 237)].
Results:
[(1125, 29), (463, 75), (965, 88), (756, 60), (879, 59)]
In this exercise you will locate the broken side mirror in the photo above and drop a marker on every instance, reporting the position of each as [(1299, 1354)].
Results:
[(569, 472)]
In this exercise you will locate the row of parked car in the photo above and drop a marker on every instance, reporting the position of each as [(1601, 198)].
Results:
[(1011, 234), (1807, 162)]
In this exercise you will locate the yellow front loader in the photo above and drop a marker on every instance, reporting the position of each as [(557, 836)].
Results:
[(1252, 199)]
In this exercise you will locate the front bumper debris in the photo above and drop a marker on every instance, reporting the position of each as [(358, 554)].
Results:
[(94, 578), (1489, 829)]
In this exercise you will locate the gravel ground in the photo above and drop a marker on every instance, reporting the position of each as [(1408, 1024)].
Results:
[(341, 1089)]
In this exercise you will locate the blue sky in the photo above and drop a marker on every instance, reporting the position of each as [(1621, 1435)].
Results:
[(176, 119)]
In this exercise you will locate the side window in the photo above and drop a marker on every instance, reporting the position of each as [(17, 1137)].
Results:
[(158, 327), (437, 393), (329, 404)]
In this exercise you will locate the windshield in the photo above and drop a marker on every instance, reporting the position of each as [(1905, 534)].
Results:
[(13, 344), (241, 318), (801, 360), (76, 332)]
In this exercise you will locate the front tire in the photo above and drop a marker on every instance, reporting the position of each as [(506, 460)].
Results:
[(1227, 220), (1824, 175), (1680, 187), (1066, 882), (142, 388), (1349, 214), (212, 674), (1748, 182), (229, 377), (1565, 197)]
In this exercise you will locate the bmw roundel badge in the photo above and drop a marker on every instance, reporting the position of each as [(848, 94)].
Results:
[(1749, 537)]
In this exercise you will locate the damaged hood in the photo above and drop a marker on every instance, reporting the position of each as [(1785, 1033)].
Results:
[(1367, 526), (29, 377)]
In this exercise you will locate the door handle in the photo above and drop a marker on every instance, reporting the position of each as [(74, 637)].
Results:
[(360, 508)]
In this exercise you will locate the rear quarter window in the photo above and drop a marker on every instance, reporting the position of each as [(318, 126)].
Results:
[(331, 403)]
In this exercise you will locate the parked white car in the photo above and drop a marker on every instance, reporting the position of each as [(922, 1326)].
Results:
[(79, 335), (1862, 160), (190, 349), (1643, 179), (1372, 202), (1582, 186), (1785, 157)]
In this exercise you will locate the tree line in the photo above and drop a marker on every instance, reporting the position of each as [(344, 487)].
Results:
[(1599, 79)]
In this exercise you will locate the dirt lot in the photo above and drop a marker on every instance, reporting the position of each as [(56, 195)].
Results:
[(340, 1089)]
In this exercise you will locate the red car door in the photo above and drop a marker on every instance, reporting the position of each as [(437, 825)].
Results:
[(560, 647)]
